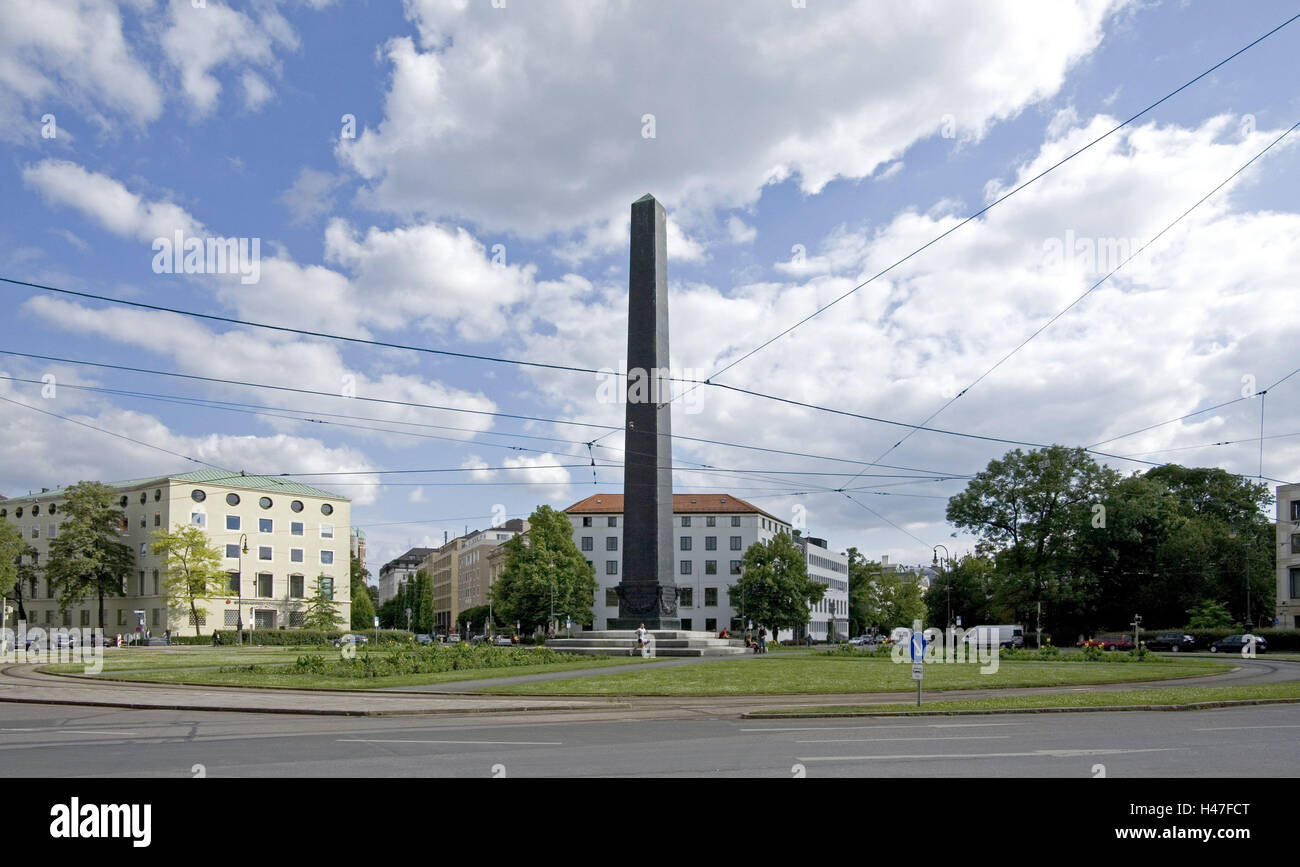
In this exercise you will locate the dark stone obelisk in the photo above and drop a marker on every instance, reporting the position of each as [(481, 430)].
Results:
[(647, 592)]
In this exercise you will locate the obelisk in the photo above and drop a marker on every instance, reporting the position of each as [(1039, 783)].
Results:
[(647, 592)]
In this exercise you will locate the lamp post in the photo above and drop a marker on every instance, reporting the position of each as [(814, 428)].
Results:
[(239, 611), (947, 579)]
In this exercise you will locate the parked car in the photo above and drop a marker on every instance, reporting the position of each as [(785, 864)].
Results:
[(1004, 635), (503, 641), (424, 638), (1171, 641), (1235, 643), (1110, 641), (454, 638), (350, 638)]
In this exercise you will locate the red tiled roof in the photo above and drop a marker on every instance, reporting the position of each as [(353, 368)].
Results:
[(683, 504)]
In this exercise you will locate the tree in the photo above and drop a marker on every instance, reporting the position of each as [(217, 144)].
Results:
[(541, 566), (11, 550), (864, 577), (1028, 511), (87, 557), (1209, 615), (476, 616), (193, 568), (423, 610), (774, 588), (967, 588), (363, 608), (321, 613)]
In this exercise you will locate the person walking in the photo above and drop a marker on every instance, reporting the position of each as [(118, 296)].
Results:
[(762, 640)]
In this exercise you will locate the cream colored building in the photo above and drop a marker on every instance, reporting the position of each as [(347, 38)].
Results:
[(443, 566), (296, 536), (475, 576), (1288, 556)]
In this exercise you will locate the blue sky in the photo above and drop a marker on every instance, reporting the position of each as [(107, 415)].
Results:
[(523, 127)]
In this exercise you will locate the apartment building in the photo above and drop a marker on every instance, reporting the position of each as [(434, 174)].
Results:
[(1288, 556), (711, 534), (280, 541), (474, 573), (829, 618), (396, 571)]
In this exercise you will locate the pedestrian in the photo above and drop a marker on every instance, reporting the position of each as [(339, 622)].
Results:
[(762, 640), (167, 636)]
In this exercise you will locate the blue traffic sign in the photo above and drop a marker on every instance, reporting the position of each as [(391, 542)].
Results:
[(917, 646)]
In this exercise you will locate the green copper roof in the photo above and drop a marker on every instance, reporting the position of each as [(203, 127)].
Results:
[(218, 478)]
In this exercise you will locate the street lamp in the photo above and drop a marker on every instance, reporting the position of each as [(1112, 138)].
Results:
[(947, 580), (239, 611)]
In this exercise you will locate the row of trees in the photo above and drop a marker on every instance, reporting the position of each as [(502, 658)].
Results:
[(88, 559), (1089, 547)]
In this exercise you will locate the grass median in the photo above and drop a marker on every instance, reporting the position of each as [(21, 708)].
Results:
[(1165, 696), (830, 674)]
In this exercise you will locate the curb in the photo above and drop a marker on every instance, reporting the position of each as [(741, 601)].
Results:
[(1199, 705), (306, 711)]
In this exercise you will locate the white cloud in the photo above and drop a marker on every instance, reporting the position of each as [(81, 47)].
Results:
[(742, 96), (311, 195), (108, 202), (739, 232)]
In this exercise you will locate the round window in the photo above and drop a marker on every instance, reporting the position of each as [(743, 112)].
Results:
[(18, 512), (326, 509), (198, 496), (296, 505), (265, 502), (122, 502), (36, 510), (157, 494), (144, 498), (54, 507), (232, 499)]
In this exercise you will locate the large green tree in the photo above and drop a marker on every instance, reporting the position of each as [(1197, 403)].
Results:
[(11, 550), (322, 612), (774, 589), (968, 588), (363, 608), (542, 566), (88, 557), (194, 571)]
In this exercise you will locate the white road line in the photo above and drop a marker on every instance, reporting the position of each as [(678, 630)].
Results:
[(480, 743), (885, 726), (1240, 728), (881, 740), (1060, 754)]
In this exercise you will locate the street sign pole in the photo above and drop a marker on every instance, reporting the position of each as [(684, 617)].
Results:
[(916, 645)]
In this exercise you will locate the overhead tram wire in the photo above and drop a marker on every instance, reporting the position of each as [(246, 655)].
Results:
[(998, 201), (1138, 252)]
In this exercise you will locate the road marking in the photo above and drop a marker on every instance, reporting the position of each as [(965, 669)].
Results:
[(1059, 754), (1239, 728), (885, 726), (879, 740), (482, 743)]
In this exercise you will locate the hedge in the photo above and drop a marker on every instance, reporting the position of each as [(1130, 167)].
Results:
[(303, 637)]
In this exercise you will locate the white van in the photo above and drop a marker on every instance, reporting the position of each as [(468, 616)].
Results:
[(1001, 635)]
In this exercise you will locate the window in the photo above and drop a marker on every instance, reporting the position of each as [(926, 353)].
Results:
[(265, 525), (1295, 541), (735, 520), (121, 617), (710, 543), (264, 552), (264, 584), (232, 551), (36, 558), (296, 528), (85, 613), (18, 512), (198, 519), (686, 597), (296, 505), (155, 582), (36, 532), (157, 494), (157, 519), (1295, 582), (265, 502), (327, 531), (144, 498), (686, 624), (143, 548), (710, 624), (735, 543), (611, 543), (36, 510), (1295, 510), (295, 586), (231, 619), (710, 597), (612, 522), (684, 568), (234, 582), (611, 597), (686, 520), (588, 543), (198, 496), (327, 558), (141, 582), (685, 543), (586, 522), (710, 567), (710, 521), (327, 587), (611, 567), (156, 613), (295, 555), (144, 522), (326, 509), (735, 567)]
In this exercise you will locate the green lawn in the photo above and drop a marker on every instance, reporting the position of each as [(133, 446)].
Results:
[(1162, 696), (127, 659), (285, 677), (790, 675)]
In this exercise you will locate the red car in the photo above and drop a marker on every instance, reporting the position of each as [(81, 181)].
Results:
[(1110, 641)]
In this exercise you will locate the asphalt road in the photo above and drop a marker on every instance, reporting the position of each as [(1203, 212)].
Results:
[(53, 740)]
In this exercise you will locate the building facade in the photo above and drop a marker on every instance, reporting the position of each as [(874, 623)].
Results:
[(396, 571), (295, 536), (1288, 556), (711, 534), (829, 618), (443, 564), (474, 573)]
